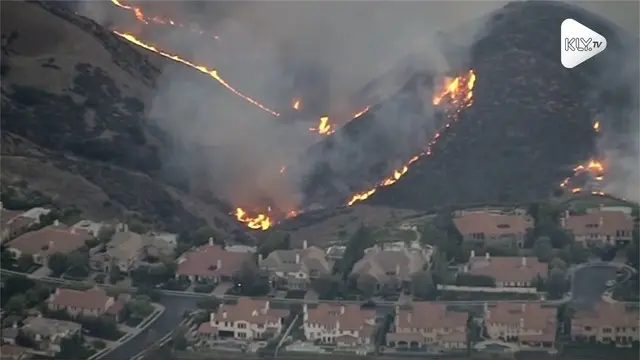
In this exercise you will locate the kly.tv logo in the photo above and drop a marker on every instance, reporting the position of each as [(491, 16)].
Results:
[(579, 43)]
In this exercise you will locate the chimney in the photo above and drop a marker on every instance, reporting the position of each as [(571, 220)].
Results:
[(601, 221), (473, 254), (409, 318), (260, 259), (50, 244), (126, 227), (487, 256), (524, 261), (342, 310), (266, 305), (218, 264), (211, 241), (72, 230), (305, 312), (397, 269), (297, 258), (304, 244), (338, 325), (224, 314), (521, 323), (56, 222), (523, 307)]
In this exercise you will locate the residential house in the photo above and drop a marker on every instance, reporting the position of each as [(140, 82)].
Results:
[(13, 224), (9, 334), (295, 268), (600, 227), (428, 324), (123, 251), (391, 269), (248, 319), (89, 303), (14, 352), (342, 325), (335, 252), (47, 241), (607, 323), (211, 264), (47, 334), (127, 250), (90, 227), (509, 271), (531, 324), (168, 238), (493, 228)]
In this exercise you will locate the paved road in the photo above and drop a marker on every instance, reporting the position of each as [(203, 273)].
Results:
[(588, 283)]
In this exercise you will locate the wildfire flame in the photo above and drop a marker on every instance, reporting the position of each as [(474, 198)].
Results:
[(296, 104), (256, 222), (459, 93), (325, 127), (203, 69), (596, 126), (593, 167)]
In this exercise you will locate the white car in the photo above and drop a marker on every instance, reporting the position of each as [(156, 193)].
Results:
[(610, 283)]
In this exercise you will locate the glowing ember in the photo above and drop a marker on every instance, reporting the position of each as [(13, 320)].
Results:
[(296, 104)]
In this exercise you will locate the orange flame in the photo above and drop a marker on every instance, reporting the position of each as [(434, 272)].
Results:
[(324, 127), (257, 222), (594, 167), (596, 126), (296, 104), (459, 92), (211, 72)]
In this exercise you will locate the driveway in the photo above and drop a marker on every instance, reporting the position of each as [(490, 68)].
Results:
[(222, 289), (588, 283)]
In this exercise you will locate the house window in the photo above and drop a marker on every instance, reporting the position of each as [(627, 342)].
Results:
[(242, 335), (587, 328), (606, 330), (242, 326)]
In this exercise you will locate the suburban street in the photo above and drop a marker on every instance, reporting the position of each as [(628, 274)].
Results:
[(588, 285)]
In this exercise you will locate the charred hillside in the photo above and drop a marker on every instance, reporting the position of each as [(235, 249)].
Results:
[(531, 119)]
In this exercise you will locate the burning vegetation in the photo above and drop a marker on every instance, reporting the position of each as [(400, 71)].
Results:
[(455, 94)]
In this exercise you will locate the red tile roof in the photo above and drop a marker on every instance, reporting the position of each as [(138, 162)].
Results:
[(607, 314), (50, 240), (349, 316), (428, 315), (205, 260), (13, 352), (492, 224), (92, 299), (532, 316), (254, 311), (119, 304), (206, 328), (604, 223), (508, 269)]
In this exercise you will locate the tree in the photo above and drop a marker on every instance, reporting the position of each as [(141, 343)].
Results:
[(140, 307), (361, 240), (422, 285), (7, 260), (542, 248), (558, 263), (367, 285), (326, 286), (78, 264), (58, 263), (106, 234), (574, 253), (557, 284), (25, 262), (179, 340), (16, 304)]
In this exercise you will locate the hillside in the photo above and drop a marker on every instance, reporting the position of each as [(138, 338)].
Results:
[(531, 120), (75, 126)]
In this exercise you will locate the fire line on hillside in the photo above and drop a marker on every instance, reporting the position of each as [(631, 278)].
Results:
[(455, 95)]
